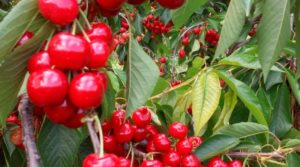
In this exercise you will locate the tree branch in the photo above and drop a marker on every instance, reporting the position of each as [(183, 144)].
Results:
[(274, 154), (93, 136), (26, 112)]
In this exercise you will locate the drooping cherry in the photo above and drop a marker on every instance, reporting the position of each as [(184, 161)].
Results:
[(217, 162), (172, 159), (162, 143), (100, 31), (75, 121), (178, 130), (184, 147), (118, 118), (94, 160), (99, 53), (124, 162), (125, 133), (111, 4), (235, 163), (61, 113), (190, 161), (151, 163), (110, 143), (141, 117), (39, 61), (171, 4)]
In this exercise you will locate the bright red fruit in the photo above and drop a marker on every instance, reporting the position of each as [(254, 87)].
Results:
[(181, 53), (172, 159), (75, 121), (150, 146), (190, 161), (61, 113), (86, 91), (118, 118), (68, 51), (106, 126), (109, 13), (197, 30), (93, 160), (47, 87), (103, 77), (110, 143), (185, 41), (99, 53), (171, 4), (139, 134), (141, 117), (162, 143), (235, 163), (111, 4), (58, 11), (212, 37), (178, 130), (163, 60), (217, 162), (125, 133), (124, 162), (16, 137), (25, 37), (151, 163), (196, 141), (184, 147), (39, 61), (100, 31), (136, 2)]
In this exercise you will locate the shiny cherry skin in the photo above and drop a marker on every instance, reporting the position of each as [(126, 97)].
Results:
[(99, 53), (190, 161), (93, 160), (61, 113), (124, 162), (59, 12), (106, 126), (25, 37), (125, 133), (151, 163), (136, 2), (235, 163), (47, 87), (16, 137), (184, 147), (100, 31), (162, 143), (171, 4), (163, 60), (139, 134), (172, 159), (68, 51), (103, 77), (141, 117), (151, 131), (181, 53), (75, 121), (196, 141), (86, 91), (39, 61), (118, 118), (150, 147), (111, 4), (109, 13), (217, 162), (178, 130), (110, 143)]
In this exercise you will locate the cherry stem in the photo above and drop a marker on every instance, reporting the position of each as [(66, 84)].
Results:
[(132, 155), (83, 31), (26, 112), (49, 39), (73, 32), (98, 123), (93, 135), (85, 19)]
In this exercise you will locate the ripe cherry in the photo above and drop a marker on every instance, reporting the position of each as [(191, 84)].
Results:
[(125, 133), (140, 134), (118, 118), (39, 61), (103, 77), (185, 41), (61, 113), (217, 162), (151, 163), (162, 143), (141, 117), (181, 53), (68, 51), (172, 159), (100, 31), (99, 53), (109, 13), (136, 2), (111, 4), (59, 12), (235, 163), (16, 137), (163, 60), (93, 160), (75, 121), (124, 162), (184, 147), (25, 37), (86, 91), (151, 131), (178, 130), (110, 143), (106, 126), (150, 146), (196, 141), (175, 83), (171, 4), (47, 87), (190, 161), (197, 31)]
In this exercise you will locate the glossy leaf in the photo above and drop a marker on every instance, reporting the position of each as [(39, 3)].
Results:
[(273, 32), (297, 29), (294, 85), (293, 160), (205, 98)]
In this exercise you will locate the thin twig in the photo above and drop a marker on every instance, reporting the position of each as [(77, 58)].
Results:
[(274, 154), (93, 136)]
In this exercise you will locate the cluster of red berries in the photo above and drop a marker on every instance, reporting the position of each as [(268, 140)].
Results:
[(48, 85), (156, 26), (212, 37), (123, 36)]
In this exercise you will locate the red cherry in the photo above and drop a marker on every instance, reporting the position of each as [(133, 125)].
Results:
[(178, 130), (175, 83), (109, 13), (190, 161), (100, 31), (124, 162), (93, 160), (222, 83), (118, 118), (103, 77), (163, 60), (140, 134), (75, 121), (125, 133), (106, 126), (171, 4), (181, 53), (151, 163), (111, 4), (110, 143), (13, 119), (150, 147), (151, 130), (99, 53), (184, 147), (217, 162), (162, 143), (185, 41), (190, 109), (86, 91), (25, 37), (235, 163), (172, 159), (141, 117), (47, 87), (136, 2), (39, 61), (16, 137), (196, 141), (68, 51), (212, 37), (197, 31), (61, 113), (59, 12)]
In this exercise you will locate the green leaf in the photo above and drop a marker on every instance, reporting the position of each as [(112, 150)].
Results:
[(182, 15), (265, 103), (142, 75), (290, 143), (216, 145), (294, 85), (246, 94), (205, 98), (273, 32), (13, 70), (58, 145), (293, 160), (281, 121), (243, 129), (230, 101), (297, 29), (233, 26)]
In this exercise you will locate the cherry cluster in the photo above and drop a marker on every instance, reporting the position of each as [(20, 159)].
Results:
[(212, 37), (123, 36), (156, 26)]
